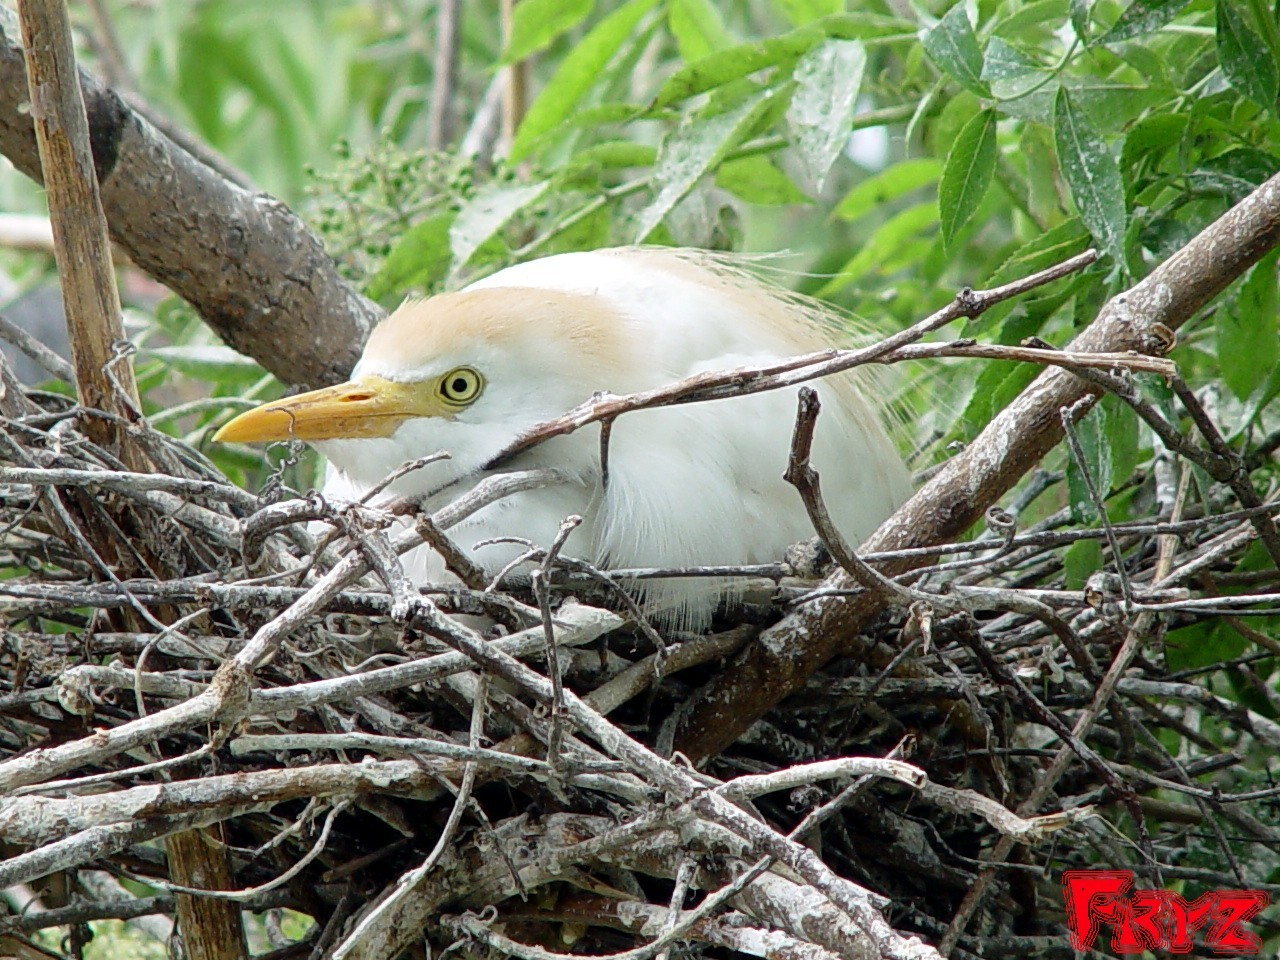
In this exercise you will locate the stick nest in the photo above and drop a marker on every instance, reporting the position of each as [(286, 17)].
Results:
[(415, 771)]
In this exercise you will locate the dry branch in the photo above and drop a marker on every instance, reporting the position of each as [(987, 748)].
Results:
[(741, 381), (1014, 441), (243, 260)]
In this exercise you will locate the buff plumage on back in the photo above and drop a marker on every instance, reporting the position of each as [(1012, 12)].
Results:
[(688, 485)]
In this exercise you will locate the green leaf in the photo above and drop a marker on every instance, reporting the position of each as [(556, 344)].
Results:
[(1044, 188), (213, 64), (953, 46), (734, 63), (1081, 561), (1250, 166), (1004, 61), (693, 149), (177, 319), (1039, 18), (970, 165), (1010, 72), (884, 245), (1244, 57), (1092, 434), (1143, 16), (1053, 246), (890, 184), (1092, 175), (941, 256), (698, 28), (588, 229), (1203, 644), (417, 261), (536, 23), (757, 179), (821, 110), (1220, 182), (486, 213), (614, 154), (578, 73), (1124, 438), (586, 118), (1248, 348), (1118, 103), (996, 386), (1152, 136), (800, 12), (200, 83)]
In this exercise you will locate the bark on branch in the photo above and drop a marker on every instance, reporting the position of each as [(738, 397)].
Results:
[(246, 262)]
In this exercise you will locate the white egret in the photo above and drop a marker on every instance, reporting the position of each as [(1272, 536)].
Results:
[(695, 484)]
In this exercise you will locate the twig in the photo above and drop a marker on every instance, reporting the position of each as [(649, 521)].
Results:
[(542, 590), (1230, 467), (805, 479), (408, 882), (734, 931), (37, 351), (1139, 633), (455, 560), (661, 773), (1069, 416)]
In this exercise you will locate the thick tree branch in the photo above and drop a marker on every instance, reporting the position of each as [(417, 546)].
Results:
[(779, 664), (255, 273)]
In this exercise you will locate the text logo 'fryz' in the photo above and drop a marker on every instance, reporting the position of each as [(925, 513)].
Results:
[(1157, 919)]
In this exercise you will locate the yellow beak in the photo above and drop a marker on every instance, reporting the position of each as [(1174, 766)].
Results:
[(369, 407)]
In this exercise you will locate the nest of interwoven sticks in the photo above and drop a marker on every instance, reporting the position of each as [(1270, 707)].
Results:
[(498, 770)]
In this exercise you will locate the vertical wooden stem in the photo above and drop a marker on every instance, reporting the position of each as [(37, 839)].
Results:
[(81, 247), (211, 928)]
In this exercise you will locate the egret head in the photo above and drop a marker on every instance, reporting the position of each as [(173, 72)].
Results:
[(464, 372)]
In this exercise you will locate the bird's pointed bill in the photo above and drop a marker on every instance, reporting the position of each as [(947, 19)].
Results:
[(369, 407)]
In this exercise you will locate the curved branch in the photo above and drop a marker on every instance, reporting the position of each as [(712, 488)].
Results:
[(1140, 319), (247, 264)]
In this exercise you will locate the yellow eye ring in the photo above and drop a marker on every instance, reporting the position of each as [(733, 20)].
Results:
[(460, 387)]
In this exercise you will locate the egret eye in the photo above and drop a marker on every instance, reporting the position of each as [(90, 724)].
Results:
[(460, 387)]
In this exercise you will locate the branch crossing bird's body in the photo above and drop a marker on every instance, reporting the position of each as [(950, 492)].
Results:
[(693, 484)]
